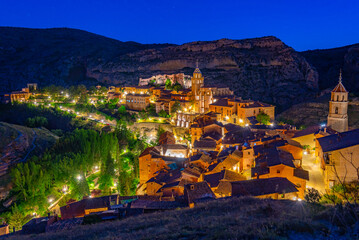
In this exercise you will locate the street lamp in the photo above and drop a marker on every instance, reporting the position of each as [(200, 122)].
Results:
[(79, 177)]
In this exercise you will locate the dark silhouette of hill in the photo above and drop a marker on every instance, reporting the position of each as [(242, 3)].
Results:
[(263, 68)]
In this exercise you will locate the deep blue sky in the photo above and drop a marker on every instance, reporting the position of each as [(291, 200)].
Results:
[(301, 24)]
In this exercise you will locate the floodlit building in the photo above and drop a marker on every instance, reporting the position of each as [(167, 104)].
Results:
[(338, 108), (339, 157), (137, 102)]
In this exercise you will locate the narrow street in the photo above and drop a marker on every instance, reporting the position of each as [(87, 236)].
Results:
[(315, 174)]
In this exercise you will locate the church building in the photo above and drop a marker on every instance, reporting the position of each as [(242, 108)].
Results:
[(338, 108)]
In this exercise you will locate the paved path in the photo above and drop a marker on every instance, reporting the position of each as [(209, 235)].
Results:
[(316, 179)]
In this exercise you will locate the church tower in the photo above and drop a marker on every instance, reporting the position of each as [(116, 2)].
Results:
[(338, 108), (197, 83)]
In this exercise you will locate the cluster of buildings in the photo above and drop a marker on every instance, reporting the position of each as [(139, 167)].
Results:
[(181, 78), (194, 99), (235, 156), (228, 152), (19, 96)]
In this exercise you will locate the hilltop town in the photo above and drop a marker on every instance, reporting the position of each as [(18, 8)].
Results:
[(202, 143)]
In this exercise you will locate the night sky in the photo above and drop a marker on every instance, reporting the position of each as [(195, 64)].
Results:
[(300, 24)]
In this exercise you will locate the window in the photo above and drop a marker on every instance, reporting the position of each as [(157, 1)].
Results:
[(337, 98), (192, 187), (331, 183), (336, 110), (278, 171)]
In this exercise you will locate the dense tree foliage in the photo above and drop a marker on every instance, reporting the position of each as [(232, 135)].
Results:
[(36, 122), (64, 168), (263, 118), (175, 107), (19, 113)]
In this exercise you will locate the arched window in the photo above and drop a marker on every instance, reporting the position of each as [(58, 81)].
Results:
[(336, 110), (343, 98), (337, 98)]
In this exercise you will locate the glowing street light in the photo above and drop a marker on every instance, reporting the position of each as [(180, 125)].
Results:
[(51, 200), (79, 177)]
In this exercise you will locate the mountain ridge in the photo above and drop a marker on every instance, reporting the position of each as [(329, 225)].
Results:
[(263, 68)]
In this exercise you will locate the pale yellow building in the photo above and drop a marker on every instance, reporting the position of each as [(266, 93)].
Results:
[(339, 157)]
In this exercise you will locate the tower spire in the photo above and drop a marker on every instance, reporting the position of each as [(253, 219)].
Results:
[(197, 63), (340, 76)]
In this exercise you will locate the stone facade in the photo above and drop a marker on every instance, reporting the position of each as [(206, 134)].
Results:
[(338, 108)]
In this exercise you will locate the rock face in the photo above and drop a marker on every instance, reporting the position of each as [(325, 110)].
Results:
[(328, 63), (316, 112), (262, 68)]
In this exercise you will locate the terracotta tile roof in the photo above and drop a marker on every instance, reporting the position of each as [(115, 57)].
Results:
[(301, 173), (196, 191), (214, 179), (273, 156), (166, 177), (257, 104), (197, 70), (148, 151), (213, 134), (339, 88), (307, 131), (339, 140), (205, 144), (259, 187)]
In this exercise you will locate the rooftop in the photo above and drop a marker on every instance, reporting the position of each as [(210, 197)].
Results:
[(259, 187), (339, 140)]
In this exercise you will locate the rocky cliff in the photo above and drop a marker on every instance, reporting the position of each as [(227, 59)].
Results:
[(262, 68), (316, 112), (328, 63)]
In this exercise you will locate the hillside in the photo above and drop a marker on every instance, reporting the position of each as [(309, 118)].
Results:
[(316, 112), (328, 62), (236, 218), (18, 143), (261, 68)]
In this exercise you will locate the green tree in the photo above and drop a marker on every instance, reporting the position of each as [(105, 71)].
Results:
[(107, 173), (263, 118), (176, 86), (168, 84), (312, 196), (17, 218), (175, 107), (163, 114)]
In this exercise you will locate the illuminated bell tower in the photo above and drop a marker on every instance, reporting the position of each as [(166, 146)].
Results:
[(197, 83), (338, 108)]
